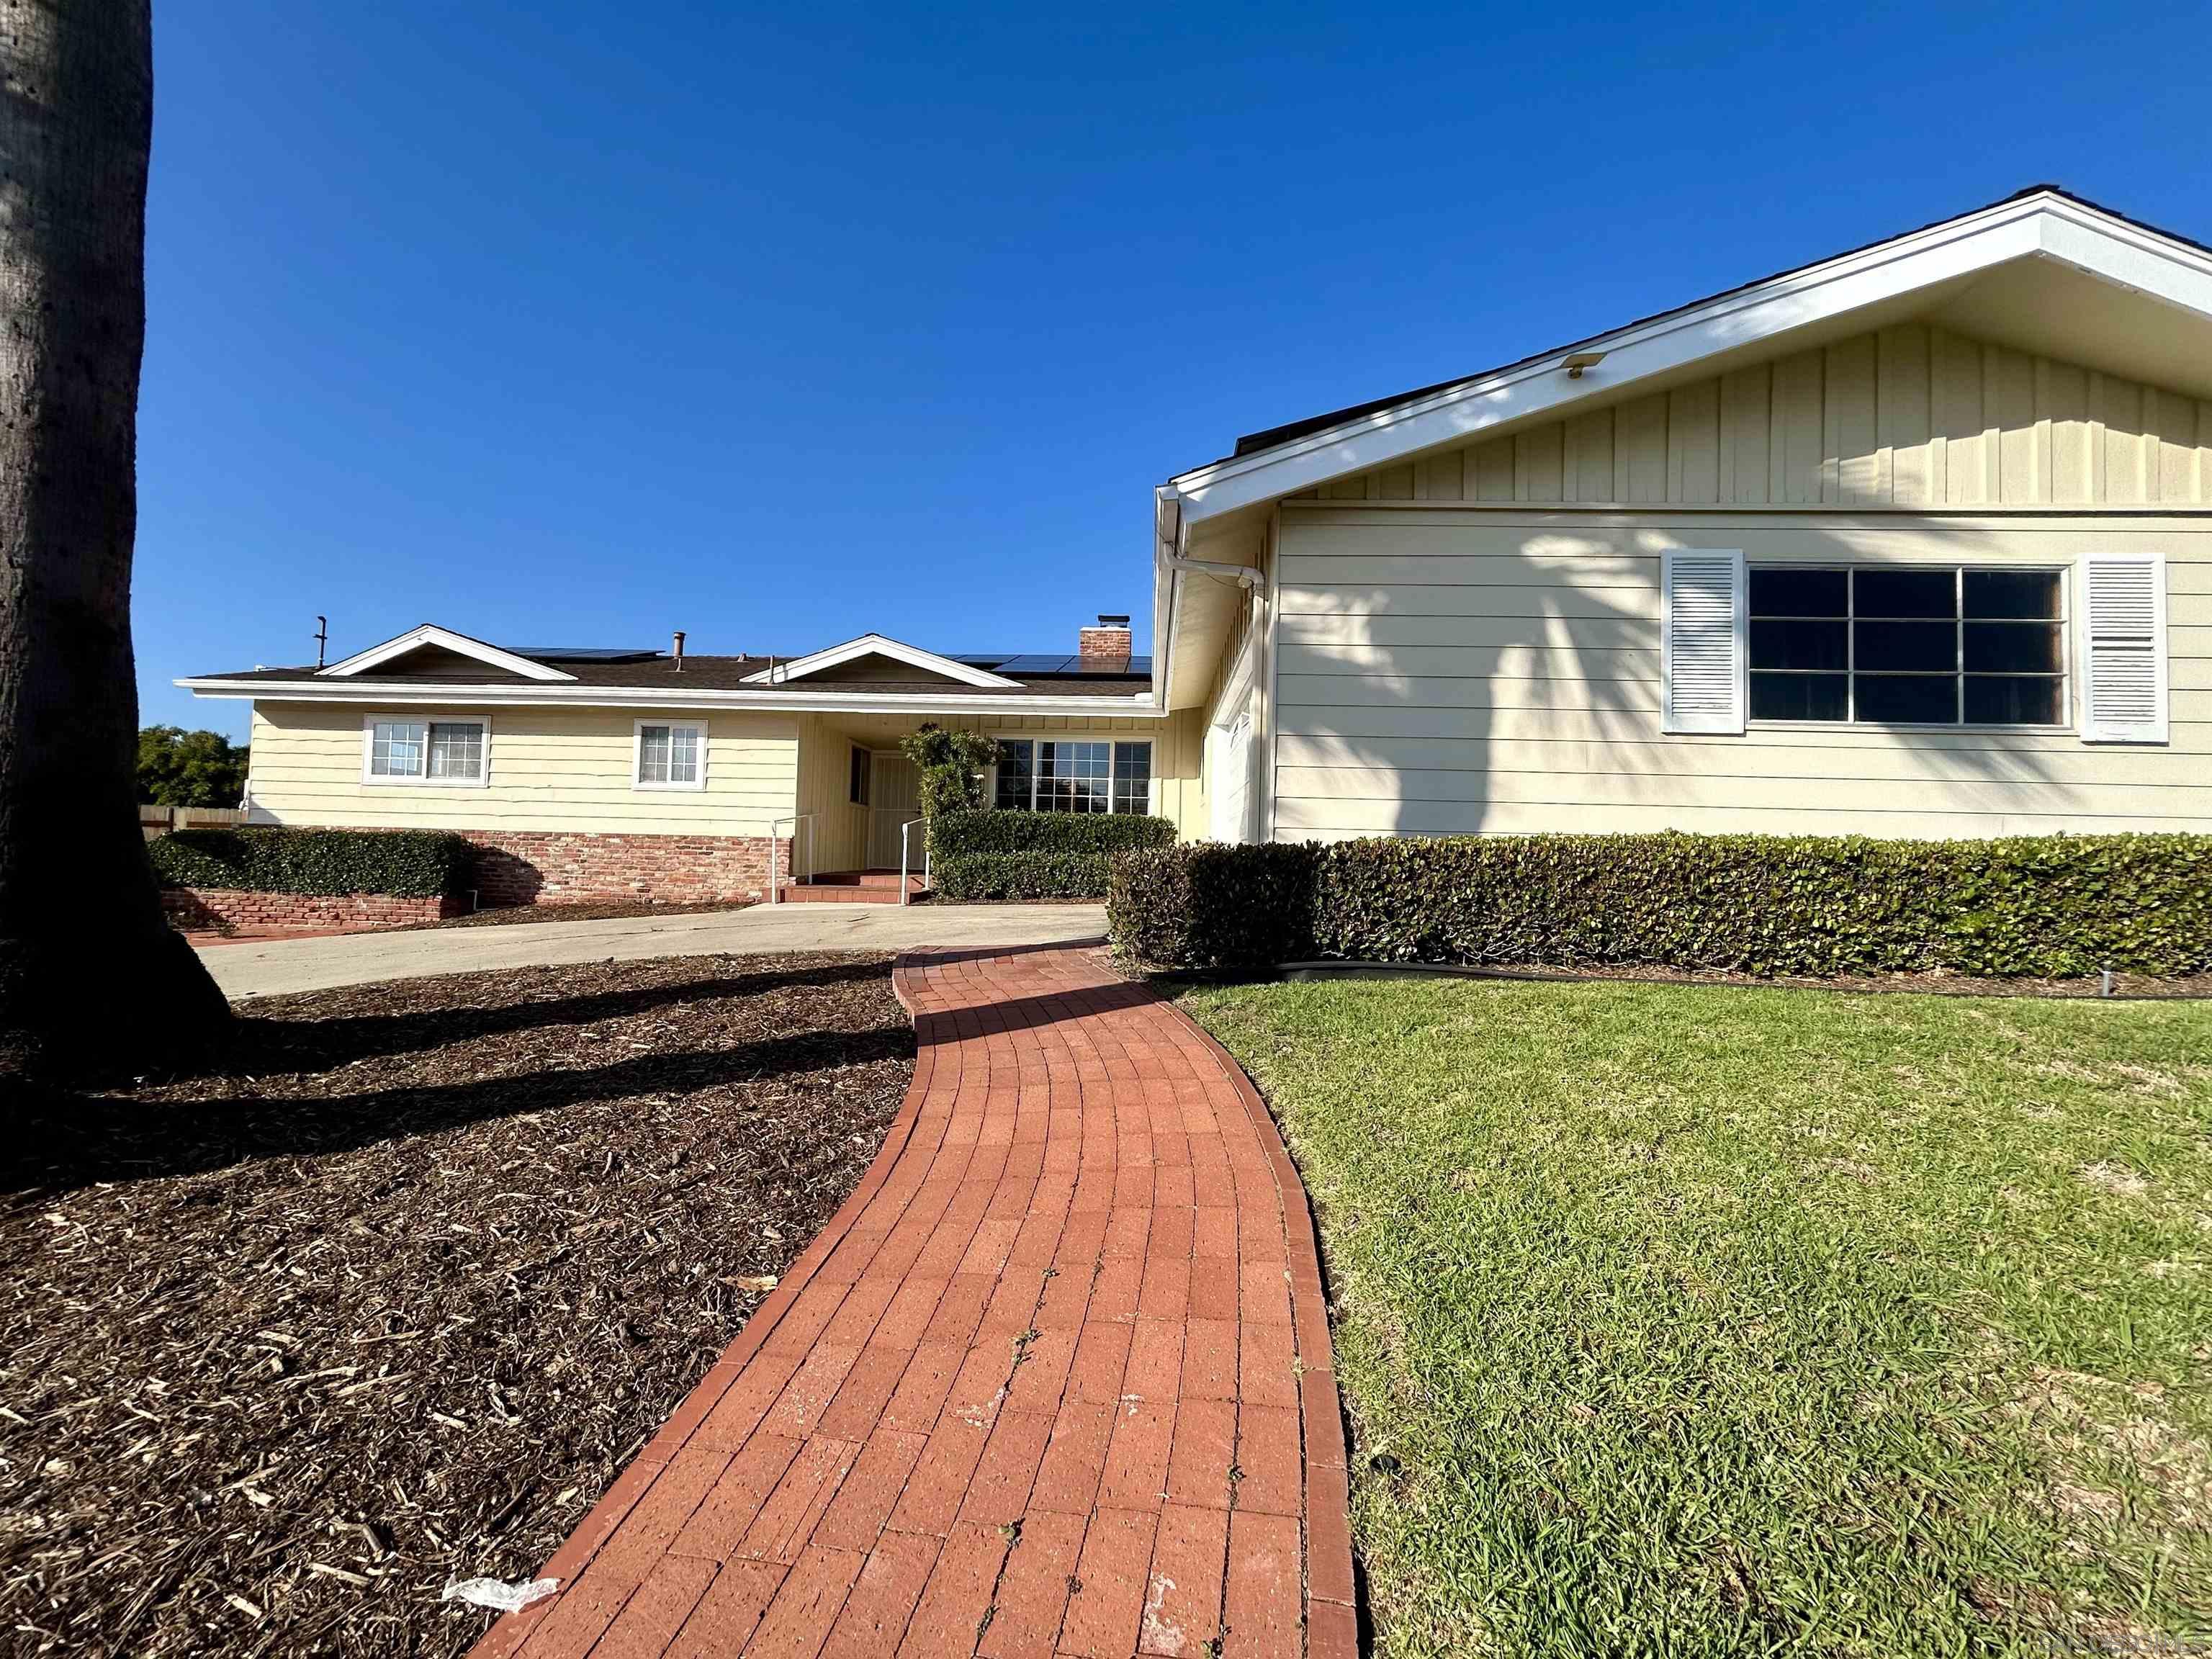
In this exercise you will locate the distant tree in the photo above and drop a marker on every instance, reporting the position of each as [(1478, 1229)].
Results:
[(177, 768), (91, 976)]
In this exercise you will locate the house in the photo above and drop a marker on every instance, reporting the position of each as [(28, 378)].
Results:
[(1916, 540), (599, 774)]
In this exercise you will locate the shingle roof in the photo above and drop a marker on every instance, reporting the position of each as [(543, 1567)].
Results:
[(704, 673)]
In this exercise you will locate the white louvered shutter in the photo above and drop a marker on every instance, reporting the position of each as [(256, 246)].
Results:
[(2123, 647), (1702, 646)]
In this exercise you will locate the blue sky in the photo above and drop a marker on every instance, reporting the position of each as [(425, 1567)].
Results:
[(570, 324)]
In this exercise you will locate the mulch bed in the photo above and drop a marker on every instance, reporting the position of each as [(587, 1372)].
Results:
[(390, 1297)]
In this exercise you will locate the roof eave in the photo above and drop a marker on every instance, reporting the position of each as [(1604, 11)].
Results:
[(1139, 705), (2046, 224)]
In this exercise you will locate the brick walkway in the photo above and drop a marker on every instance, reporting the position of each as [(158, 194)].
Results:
[(1054, 1381)]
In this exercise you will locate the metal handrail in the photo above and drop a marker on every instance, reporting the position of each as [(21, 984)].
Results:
[(906, 853), (794, 819)]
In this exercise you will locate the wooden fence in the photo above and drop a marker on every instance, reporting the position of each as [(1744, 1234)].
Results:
[(160, 820)]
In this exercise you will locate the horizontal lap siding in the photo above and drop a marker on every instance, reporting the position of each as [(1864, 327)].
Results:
[(1912, 415), (550, 769), (1451, 672)]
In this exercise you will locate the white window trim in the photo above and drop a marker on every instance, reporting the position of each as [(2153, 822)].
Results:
[(425, 719), (637, 780), (2072, 653), (1152, 765)]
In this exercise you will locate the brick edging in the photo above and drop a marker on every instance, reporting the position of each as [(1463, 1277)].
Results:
[(1332, 1617), (505, 1637)]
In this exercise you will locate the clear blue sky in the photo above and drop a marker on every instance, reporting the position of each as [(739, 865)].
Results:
[(569, 324)]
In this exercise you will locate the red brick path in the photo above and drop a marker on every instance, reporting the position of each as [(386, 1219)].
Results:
[(1055, 1379)]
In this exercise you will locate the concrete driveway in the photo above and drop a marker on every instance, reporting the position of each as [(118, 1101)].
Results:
[(273, 967)]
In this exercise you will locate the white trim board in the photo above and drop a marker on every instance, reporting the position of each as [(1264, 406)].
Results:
[(460, 644), (2043, 225), (879, 645)]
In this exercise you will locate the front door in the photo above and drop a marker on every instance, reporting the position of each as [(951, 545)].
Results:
[(892, 802)]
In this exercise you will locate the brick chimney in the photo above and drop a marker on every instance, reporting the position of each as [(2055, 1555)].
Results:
[(1110, 638)]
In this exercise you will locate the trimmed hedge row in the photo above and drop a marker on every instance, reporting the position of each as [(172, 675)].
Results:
[(1209, 905), (988, 831), (2045, 906), (408, 863), (968, 877)]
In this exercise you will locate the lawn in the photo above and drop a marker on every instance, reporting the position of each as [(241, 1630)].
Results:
[(391, 1296), (1700, 1320)]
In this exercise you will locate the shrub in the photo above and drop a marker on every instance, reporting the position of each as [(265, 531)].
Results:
[(1206, 905), (1101, 833), (948, 767), (411, 863), (2056, 905), (1029, 875)]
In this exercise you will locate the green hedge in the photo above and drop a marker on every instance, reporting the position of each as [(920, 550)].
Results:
[(2057, 905), (1042, 875), (1209, 905), (411, 863), (1100, 833)]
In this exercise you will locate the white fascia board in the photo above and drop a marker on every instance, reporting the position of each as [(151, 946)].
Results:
[(1140, 706), (2044, 226), (461, 644), (876, 645)]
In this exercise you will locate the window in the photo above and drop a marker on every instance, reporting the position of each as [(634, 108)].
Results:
[(1073, 775), (671, 754), (1908, 645), (398, 749), (856, 784)]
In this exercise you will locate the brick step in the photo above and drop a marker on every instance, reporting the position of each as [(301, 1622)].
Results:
[(819, 892), (865, 879)]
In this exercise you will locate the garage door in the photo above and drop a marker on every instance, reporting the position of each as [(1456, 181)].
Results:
[(1228, 773)]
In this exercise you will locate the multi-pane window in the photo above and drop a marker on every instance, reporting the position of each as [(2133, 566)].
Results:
[(1891, 645), (1075, 776), (1016, 790), (1133, 777), (429, 751), (668, 755), (395, 749)]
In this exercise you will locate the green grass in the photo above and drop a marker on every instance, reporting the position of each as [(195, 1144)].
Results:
[(1705, 1321)]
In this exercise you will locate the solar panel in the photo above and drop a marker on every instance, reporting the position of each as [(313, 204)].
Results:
[(1035, 664)]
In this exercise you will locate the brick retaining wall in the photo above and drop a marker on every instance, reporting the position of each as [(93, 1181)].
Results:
[(200, 908), (556, 867)]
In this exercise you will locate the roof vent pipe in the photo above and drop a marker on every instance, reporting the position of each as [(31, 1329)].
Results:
[(679, 650)]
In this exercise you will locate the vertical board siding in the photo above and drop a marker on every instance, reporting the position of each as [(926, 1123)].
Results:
[(1912, 415)]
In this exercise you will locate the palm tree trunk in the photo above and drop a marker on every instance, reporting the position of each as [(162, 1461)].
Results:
[(89, 970)]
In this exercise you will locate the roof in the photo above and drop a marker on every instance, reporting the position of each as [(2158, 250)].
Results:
[(2043, 239), (1290, 431), (1120, 676)]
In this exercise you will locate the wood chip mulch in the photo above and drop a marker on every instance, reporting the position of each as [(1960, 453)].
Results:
[(390, 1297)]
